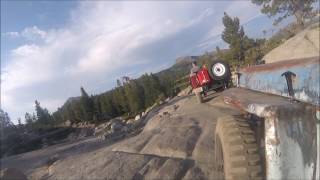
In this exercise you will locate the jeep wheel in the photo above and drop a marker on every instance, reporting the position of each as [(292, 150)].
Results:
[(236, 153), (220, 70)]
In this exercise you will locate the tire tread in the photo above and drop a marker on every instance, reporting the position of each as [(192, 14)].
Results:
[(240, 150)]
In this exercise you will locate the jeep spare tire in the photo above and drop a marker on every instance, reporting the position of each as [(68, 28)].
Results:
[(220, 70)]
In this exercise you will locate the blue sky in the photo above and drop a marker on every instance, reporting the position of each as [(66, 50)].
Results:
[(51, 48)]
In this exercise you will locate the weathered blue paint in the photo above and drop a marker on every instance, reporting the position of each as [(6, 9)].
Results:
[(291, 133), (306, 85)]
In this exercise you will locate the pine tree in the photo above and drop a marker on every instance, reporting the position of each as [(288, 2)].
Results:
[(19, 122), (97, 107), (231, 31), (107, 105), (87, 105), (119, 100), (4, 120), (151, 88), (28, 119), (118, 83), (43, 115), (34, 117), (234, 35), (134, 94), (39, 111), (167, 82), (70, 113), (282, 9), (57, 116)]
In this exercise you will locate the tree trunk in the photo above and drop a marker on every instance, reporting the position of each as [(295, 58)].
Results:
[(298, 7), (299, 18)]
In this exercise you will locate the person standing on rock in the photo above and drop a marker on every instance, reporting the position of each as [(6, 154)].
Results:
[(193, 72), (195, 68)]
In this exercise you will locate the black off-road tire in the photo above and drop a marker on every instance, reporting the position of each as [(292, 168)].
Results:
[(220, 70), (237, 153)]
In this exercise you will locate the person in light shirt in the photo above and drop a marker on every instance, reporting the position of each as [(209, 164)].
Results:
[(195, 68)]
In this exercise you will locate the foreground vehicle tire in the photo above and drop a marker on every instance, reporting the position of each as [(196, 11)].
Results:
[(220, 70), (236, 153)]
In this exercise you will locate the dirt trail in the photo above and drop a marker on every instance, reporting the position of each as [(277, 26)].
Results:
[(176, 143)]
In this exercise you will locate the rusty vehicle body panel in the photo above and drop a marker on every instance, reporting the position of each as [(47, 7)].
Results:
[(291, 120)]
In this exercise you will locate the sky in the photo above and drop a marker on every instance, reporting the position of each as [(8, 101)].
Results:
[(49, 49)]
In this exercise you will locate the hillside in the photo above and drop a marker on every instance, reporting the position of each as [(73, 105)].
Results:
[(304, 44), (76, 117), (176, 143), (129, 98)]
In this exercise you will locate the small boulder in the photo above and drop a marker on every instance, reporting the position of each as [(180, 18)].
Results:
[(103, 136), (85, 132), (125, 129), (116, 126), (97, 131), (130, 121), (107, 125), (68, 123), (165, 113), (137, 117)]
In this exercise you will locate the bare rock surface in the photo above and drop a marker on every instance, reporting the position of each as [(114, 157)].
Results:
[(304, 44), (12, 174), (186, 91), (178, 144)]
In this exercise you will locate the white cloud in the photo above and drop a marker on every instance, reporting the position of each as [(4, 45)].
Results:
[(33, 33), (120, 32), (12, 34), (29, 33), (29, 64)]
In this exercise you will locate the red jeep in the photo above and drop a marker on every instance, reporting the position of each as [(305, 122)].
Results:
[(217, 77)]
